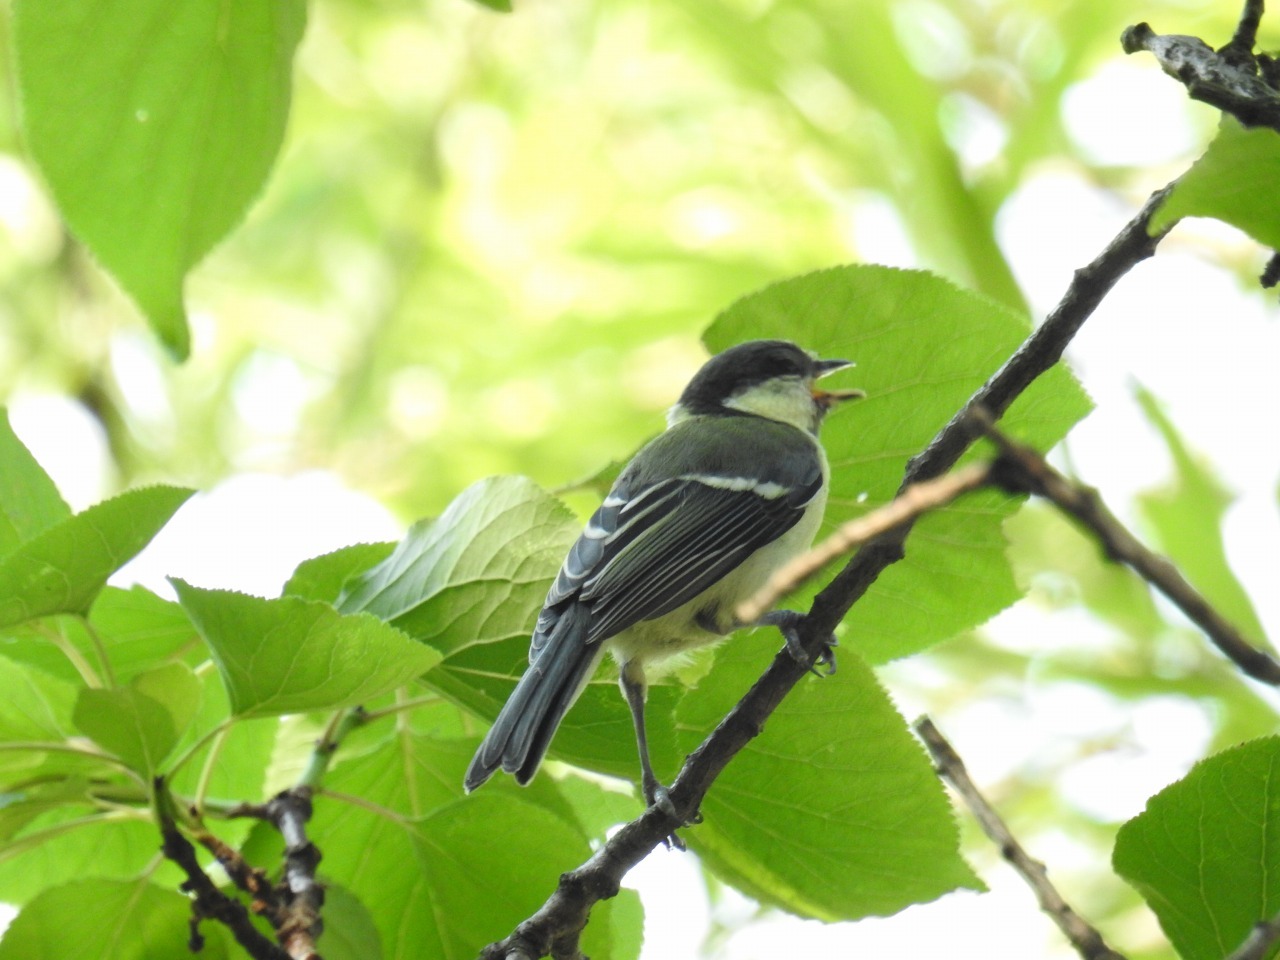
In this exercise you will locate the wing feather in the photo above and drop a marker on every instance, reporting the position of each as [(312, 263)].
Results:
[(654, 544), (710, 533)]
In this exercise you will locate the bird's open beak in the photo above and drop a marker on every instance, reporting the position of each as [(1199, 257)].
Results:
[(827, 399)]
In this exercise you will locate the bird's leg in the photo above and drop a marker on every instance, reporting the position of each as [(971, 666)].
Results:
[(788, 623), (631, 679)]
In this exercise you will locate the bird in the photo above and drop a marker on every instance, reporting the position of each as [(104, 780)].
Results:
[(696, 523)]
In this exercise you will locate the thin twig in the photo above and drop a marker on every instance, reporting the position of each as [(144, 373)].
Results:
[(1257, 945), (340, 725), (1086, 940), (1271, 272), (1028, 471), (292, 906), (910, 504), (554, 929), (1246, 35), (212, 903)]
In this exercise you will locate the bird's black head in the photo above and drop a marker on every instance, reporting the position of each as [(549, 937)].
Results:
[(771, 378), (742, 367)]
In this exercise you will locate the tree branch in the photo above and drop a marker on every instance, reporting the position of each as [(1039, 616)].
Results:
[(1086, 940), (1257, 945), (1246, 35), (914, 501), (293, 905), (212, 903), (1029, 472), (1227, 79), (1038, 353)]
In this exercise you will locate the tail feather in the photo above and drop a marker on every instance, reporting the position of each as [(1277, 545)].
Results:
[(521, 734)]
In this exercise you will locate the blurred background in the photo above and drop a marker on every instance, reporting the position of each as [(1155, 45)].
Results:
[(492, 241)]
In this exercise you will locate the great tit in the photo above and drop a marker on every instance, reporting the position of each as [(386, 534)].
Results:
[(695, 524)]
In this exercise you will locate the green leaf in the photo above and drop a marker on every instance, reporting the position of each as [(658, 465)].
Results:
[(152, 173), (135, 629), (140, 630), (471, 583), (810, 815), (322, 578), (1187, 518), (922, 347), (141, 723), (596, 733), (441, 875), (67, 845), (1202, 854), (107, 920), (1236, 181), (239, 754), (29, 500), (349, 930), (62, 569), (292, 655), (19, 807), (477, 574), (33, 705)]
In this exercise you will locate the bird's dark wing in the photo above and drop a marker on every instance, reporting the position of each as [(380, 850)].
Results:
[(653, 546)]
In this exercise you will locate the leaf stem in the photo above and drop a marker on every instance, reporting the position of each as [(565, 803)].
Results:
[(78, 659), (196, 747), (206, 769), (402, 706), (101, 649)]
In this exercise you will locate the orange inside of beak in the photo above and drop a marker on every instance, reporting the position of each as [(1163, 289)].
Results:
[(829, 398)]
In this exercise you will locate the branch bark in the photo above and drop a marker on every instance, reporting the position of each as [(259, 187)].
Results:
[(1086, 940), (212, 903), (1228, 79)]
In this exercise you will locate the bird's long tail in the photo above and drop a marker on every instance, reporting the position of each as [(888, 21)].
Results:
[(519, 738)]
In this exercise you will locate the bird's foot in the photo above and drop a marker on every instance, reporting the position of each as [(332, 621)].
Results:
[(656, 795), (788, 623)]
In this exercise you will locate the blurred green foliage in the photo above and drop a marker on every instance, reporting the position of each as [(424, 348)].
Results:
[(490, 246), (491, 241)]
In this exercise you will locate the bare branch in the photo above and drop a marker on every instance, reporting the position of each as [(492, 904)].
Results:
[(212, 903), (1029, 471), (293, 905), (1271, 272), (1246, 35), (1038, 353), (298, 926), (910, 504), (1227, 79), (1086, 940)]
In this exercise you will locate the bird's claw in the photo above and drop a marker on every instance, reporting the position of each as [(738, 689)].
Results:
[(788, 624), (658, 796)]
